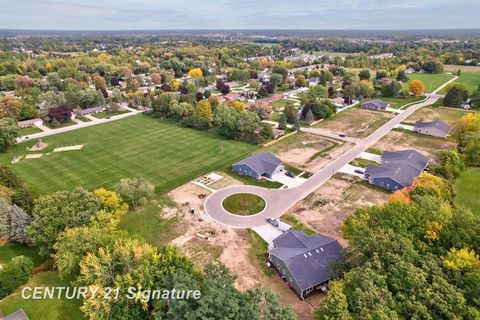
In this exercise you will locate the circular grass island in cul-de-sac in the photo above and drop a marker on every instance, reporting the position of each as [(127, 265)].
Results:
[(243, 204)]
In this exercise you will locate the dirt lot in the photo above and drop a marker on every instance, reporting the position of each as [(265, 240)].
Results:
[(226, 245), (447, 115), (327, 208), (356, 122), (429, 146), (308, 152)]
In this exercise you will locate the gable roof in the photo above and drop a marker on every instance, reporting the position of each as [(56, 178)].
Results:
[(402, 173), (261, 163), (379, 103), (308, 257), (412, 157), (17, 315), (442, 126)]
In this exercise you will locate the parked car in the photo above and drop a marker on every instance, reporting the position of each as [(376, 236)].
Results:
[(272, 221), (289, 174), (359, 171), (341, 135)]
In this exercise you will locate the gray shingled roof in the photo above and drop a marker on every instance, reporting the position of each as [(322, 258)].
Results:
[(261, 163), (412, 157), (17, 315), (433, 124), (308, 258), (380, 103), (402, 172)]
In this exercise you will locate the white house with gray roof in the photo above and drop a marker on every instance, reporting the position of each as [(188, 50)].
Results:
[(305, 262), (398, 169), (432, 128), (259, 165)]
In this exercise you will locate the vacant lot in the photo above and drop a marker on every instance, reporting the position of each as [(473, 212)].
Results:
[(447, 115), (398, 103), (471, 80), (402, 139), (467, 189), (326, 209), (138, 146), (431, 81), (356, 122)]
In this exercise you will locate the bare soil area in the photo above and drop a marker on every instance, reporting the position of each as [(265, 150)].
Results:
[(356, 122), (447, 115), (326, 209), (432, 147)]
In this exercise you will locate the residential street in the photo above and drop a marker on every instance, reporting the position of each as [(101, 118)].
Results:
[(278, 201)]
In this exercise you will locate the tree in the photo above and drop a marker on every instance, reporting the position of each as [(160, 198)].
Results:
[(381, 74), (155, 78), (392, 89), (417, 87), (100, 84), (309, 117), (195, 73), (9, 132), (433, 66), (135, 191), (290, 113), (204, 110), (282, 71), (62, 113), (10, 107), (402, 76), (276, 79), (60, 210), (455, 96), (335, 306), (282, 123), (364, 75), (13, 221), (475, 99), (14, 274)]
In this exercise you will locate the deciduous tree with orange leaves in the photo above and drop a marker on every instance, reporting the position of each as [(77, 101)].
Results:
[(417, 87)]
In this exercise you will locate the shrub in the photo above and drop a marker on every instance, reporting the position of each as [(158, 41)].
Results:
[(14, 274)]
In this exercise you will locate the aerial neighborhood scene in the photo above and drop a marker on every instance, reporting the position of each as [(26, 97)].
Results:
[(239, 160)]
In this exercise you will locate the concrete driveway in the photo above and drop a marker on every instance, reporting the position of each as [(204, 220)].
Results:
[(268, 232), (288, 181), (405, 127), (371, 156), (349, 169)]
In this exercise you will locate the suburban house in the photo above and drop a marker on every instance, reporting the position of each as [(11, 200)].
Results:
[(91, 110), (30, 123), (398, 169), (432, 128), (17, 315), (375, 105), (305, 262), (338, 101), (259, 165)]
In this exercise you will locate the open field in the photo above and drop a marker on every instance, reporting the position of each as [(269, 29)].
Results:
[(447, 115), (454, 68), (431, 81), (467, 189), (402, 139), (139, 146), (471, 80), (355, 122), (398, 103), (44, 309)]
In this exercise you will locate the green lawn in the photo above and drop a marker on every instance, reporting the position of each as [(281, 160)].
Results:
[(139, 146), (105, 114), (398, 103), (12, 249), (251, 181), (60, 124), (83, 118), (471, 80), (29, 130), (296, 225), (431, 81), (281, 103), (244, 204), (147, 223), (467, 189), (358, 162), (44, 309)]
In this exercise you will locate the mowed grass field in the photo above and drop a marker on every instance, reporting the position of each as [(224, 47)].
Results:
[(467, 189), (139, 146), (431, 81), (471, 80)]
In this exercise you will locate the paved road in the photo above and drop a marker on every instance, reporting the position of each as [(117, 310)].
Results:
[(280, 200), (49, 132)]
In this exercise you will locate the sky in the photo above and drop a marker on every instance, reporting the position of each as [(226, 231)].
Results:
[(238, 14)]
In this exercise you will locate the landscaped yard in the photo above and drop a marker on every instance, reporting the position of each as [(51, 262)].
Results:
[(12, 249), (467, 189), (45, 309), (139, 146), (29, 130), (431, 81), (281, 103), (105, 114), (60, 124), (244, 204)]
